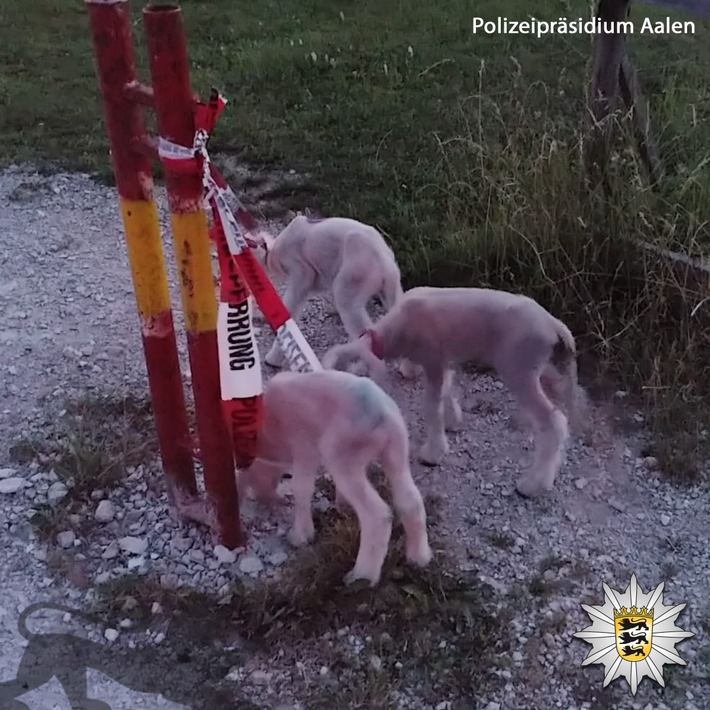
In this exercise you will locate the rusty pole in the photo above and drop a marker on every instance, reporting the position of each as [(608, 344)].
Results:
[(174, 106), (115, 68)]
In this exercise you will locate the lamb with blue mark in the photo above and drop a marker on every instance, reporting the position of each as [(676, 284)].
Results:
[(373, 404), (343, 422)]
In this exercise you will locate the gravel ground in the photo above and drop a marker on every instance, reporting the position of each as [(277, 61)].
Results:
[(68, 326)]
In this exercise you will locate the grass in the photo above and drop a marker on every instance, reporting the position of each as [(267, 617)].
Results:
[(442, 626), (90, 447), (465, 150), (502, 541)]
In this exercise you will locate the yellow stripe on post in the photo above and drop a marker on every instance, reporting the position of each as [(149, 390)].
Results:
[(145, 255), (192, 251)]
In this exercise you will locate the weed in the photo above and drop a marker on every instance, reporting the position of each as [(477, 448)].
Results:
[(554, 575), (551, 562), (90, 447), (669, 570), (503, 541), (25, 450), (581, 571), (440, 624), (540, 587)]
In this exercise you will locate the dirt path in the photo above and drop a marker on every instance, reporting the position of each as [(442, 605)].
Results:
[(68, 326)]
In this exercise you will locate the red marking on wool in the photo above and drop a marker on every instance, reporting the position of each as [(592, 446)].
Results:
[(376, 344)]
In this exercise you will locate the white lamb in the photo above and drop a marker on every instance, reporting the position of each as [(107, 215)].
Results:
[(345, 258), (532, 352), (343, 422)]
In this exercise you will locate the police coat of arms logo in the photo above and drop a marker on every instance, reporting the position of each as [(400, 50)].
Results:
[(633, 635)]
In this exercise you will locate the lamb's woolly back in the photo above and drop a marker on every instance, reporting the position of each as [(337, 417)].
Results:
[(348, 259), (461, 325), (332, 243)]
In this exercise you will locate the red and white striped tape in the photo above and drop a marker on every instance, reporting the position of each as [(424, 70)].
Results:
[(297, 351), (241, 379)]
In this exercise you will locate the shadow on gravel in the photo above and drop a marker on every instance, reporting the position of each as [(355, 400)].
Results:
[(181, 668), (434, 632)]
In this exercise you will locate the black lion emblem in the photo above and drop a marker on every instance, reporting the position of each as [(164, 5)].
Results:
[(628, 624)]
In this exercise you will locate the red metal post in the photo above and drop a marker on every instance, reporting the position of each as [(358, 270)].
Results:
[(115, 67), (174, 106)]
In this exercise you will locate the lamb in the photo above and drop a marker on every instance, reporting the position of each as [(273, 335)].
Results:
[(343, 257), (344, 422), (531, 351)]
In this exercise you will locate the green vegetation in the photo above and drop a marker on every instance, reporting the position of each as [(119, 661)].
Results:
[(441, 627), (463, 149), (91, 446)]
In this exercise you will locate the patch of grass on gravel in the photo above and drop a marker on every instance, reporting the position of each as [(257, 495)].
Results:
[(91, 446), (503, 541), (440, 624), (463, 149)]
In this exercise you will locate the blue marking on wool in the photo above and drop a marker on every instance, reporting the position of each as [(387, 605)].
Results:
[(371, 401)]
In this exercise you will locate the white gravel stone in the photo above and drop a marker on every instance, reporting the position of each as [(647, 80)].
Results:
[(12, 485), (277, 558), (57, 492), (133, 545), (111, 551), (224, 555), (250, 564), (105, 511), (66, 539)]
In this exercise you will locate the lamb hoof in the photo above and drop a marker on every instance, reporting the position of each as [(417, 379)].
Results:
[(300, 538), (354, 576), (274, 360), (454, 418), (432, 456), (421, 557), (407, 369), (530, 488)]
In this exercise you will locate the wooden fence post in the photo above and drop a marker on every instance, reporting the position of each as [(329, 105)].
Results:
[(613, 73)]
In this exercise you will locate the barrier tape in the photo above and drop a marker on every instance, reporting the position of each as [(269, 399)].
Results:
[(236, 228), (241, 380), (239, 362), (296, 349)]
